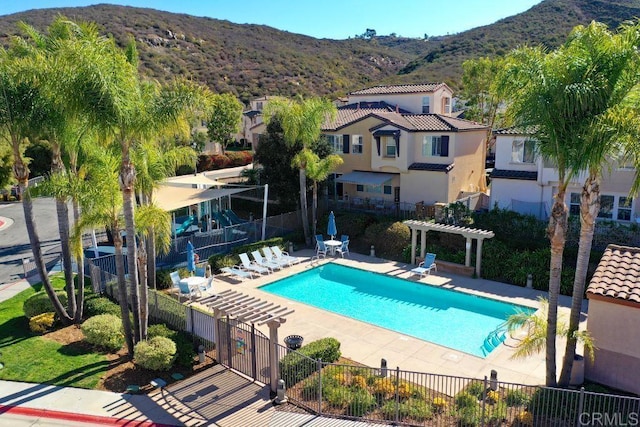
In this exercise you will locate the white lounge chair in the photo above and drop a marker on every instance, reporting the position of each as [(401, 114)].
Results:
[(237, 272), (426, 266), (260, 260), (270, 256), (280, 254), (252, 266)]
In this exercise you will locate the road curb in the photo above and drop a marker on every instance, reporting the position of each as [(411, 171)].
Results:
[(82, 418)]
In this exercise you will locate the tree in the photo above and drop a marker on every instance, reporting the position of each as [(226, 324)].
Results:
[(562, 98), (301, 122), (224, 117), (479, 91)]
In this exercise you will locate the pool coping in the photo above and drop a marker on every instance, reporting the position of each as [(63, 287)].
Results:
[(368, 344)]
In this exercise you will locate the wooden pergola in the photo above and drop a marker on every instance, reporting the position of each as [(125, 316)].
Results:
[(468, 233), (253, 310)]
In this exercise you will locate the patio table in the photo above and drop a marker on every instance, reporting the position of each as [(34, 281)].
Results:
[(332, 245)]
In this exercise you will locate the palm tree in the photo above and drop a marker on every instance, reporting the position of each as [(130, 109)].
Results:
[(302, 122), (317, 170)]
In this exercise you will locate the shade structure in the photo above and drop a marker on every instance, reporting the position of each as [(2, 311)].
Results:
[(191, 257), (331, 226), (365, 178)]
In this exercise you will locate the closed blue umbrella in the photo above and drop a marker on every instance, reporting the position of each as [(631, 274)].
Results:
[(331, 226), (191, 257)]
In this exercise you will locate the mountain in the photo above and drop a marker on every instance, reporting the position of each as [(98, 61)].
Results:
[(256, 60)]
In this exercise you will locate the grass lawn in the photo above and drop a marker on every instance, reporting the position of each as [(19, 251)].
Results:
[(33, 358)]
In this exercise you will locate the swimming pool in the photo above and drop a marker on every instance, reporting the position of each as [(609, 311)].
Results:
[(452, 319)]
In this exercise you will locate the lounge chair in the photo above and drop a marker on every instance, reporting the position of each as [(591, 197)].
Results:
[(344, 249), (280, 254), (260, 260), (253, 266), (426, 266), (270, 256), (237, 272)]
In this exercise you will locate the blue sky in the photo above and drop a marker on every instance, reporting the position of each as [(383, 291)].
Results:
[(337, 19)]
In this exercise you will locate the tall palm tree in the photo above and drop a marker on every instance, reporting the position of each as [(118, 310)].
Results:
[(317, 170), (302, 122)]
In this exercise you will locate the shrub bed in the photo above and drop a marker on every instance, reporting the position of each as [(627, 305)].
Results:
[(41, 323), (298, 365), (40, 303), (185, 353), (100, 305)]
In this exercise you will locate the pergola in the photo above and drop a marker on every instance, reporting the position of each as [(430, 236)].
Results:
[(250, 309), (468, 233)]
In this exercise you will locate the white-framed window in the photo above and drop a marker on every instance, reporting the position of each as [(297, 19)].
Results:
[(356, 144), (425, 105), (607, 204), (335, 141), (435, 146), (625, 205), (389, 144), (522, 151), (618, 208), (574, 204), (446, 105)]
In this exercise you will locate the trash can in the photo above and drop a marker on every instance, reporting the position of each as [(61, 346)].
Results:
[(293, 342)]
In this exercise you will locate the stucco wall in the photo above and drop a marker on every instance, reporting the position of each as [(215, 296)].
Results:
[(427, 186), (616, 332), (408, 101)]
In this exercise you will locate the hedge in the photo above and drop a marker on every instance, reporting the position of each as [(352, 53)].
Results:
[(104, 330), (157, 353), (185, 352), (218, 261), (100, 305), (298, 365), (40, 303)]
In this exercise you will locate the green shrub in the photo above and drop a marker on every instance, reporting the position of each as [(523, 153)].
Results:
[(389, 239), (355, 223), (298, 365), (475, 388), (337, 396), (39, 303), (516, 398), (222, 260), (104, 330), (465, 400), (274, 241), (156, 354), (360, 402), (41, 323), (495, 414), (413, 409), (185, 353), (100, 305), (163, 279), (469, 416)]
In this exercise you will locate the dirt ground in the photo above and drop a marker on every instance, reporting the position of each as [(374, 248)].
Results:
[(122, 372)]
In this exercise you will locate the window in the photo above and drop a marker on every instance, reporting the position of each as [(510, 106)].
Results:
[(425, 105), (389, 145), (624, 208), (606, 206), (387, 189), (446, 105), (335, 141), (356, 144), (574, 204), (437, 146), (522, 151), (259, 105), (359, 188)]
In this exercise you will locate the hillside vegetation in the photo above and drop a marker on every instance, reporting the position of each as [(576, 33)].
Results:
[(254, 60)]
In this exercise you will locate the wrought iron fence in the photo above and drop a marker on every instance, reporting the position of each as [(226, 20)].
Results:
[(422, 399), (401, 210), (244, 348)]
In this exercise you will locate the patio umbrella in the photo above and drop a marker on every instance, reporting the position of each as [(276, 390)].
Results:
[(331, 226), (191, 257)]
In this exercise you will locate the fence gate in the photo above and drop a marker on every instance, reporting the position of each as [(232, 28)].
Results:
[(244, 348)]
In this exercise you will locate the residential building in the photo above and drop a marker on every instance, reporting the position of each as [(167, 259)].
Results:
[(523, 182), (252, 123), (401, 144)]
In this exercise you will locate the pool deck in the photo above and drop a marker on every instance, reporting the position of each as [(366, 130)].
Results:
[(368, 344)]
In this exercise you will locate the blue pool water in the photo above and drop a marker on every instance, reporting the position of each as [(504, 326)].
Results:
[(452, 319)]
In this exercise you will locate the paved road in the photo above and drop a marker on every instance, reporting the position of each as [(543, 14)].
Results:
[(14, 242)]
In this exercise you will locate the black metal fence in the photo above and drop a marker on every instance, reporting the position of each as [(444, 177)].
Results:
[(244, 348), (422, 399)]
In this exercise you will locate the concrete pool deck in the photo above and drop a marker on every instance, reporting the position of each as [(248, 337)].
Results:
[(368, 344)]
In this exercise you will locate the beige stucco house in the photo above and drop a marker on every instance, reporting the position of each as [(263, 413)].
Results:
[(252, 123), (522, 181), (401, 144), (614, 319)]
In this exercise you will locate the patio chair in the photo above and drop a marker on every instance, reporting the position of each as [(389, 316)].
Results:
[(344, 249), (208, 286), (321, 249), (280, 254), (260, 260), (319, 238), (270, 256), (201, 272), (426, 266), (237, 272), (253, 266), (186, 290), (175, 279)]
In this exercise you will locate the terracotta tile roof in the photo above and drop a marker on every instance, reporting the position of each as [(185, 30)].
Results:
[(391, 89), (514, 131), (618, 274), (438, 122), (435, 167), (511, 174)]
